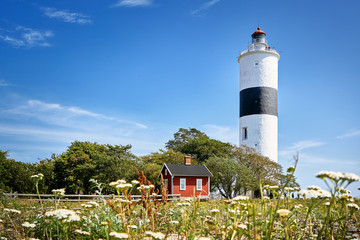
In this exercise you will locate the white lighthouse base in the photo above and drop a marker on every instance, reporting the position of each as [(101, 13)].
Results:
[(261, 134)]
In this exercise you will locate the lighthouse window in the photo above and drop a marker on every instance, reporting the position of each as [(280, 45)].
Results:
[(244, 133), (256, 64)]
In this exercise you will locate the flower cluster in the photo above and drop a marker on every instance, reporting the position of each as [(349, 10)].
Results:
[(12, 210), (39, 176), (155, 235), (240, 198), (336, 176), (28, 225), (79, 231), (68, 215), (119, 235), (353, 205), (342, 190), (59, 192), (283, 212), (145, 187)]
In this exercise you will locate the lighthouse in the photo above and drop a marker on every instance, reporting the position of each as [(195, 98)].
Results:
[(258, 96)]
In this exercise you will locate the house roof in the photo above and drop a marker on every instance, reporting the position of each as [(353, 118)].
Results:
[(188, 170)]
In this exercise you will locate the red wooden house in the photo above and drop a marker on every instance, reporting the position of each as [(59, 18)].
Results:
[(186, 179)]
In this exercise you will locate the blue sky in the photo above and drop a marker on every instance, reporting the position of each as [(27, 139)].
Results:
[(135, 71)]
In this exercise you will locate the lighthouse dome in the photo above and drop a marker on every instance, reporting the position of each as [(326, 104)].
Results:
[(258, 36)]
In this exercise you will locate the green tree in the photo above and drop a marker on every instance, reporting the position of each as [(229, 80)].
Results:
[(229, 177), (15, 176), (85, 160), (264, 170), (46, 167), (183, 136), (198, 145)]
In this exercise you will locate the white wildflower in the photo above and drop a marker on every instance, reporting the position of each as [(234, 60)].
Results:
[(135, 182), (117, 182), (132, 226), (87, 205), (68, 215), (123, 185), (155, 235), (59, 192), (242, 226), (174, 222), (353, 205), (346, 197), (93, 203), (328, 174), (351, 177), (28, 225), (12, 210), (343, 190), (313, 188), (240, 198), (283, 212), (202, 238), (214, 210), (314, 193), (119, 235), (39, 176), (79, 231)]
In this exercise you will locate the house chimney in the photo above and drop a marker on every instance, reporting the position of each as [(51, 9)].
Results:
[(187, 160)]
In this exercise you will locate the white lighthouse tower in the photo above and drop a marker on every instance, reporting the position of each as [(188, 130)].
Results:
[(258, 97)]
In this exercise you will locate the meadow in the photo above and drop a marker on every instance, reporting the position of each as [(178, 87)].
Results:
[(317, 214)]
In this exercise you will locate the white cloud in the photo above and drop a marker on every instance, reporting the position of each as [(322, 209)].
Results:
[(66, 16), (3, 83), (204, 7), (133, 3), (222, 133), (54, 126), (56, 114), (350, 134), (299, 146), (26, 37)]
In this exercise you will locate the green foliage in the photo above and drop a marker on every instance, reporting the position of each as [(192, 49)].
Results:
[(15, 176), (85, 160), (198, 145), (229, 177), (241, 171)]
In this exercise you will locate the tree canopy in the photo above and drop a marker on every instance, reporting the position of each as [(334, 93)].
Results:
[(236, 170), (197, 144), (85, 160)]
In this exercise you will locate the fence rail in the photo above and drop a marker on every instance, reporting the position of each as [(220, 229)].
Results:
[(76, 197)]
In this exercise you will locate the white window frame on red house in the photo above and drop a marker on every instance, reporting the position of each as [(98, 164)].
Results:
[(184, 183), (199, 184)]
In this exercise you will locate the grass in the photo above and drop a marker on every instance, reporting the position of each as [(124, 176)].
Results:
[(332, 214)]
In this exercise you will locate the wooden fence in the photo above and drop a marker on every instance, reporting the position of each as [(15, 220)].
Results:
[(77, 197)]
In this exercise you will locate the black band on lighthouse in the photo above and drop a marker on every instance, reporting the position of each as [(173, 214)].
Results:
[(258, 100)]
